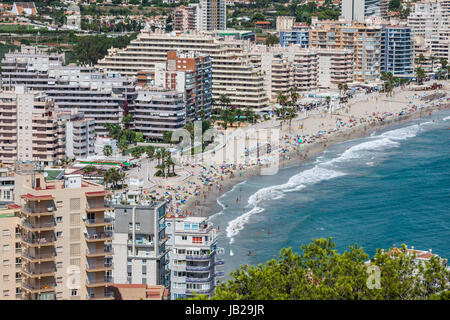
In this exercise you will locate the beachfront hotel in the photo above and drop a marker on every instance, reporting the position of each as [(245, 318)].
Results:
[(85, 89), (140, 254), (397, 51), (187, 72), (60, 236), (362, 38), (29, 128), (157, 110), (232, 72), (193, 259), (304, 69), (430, 20)]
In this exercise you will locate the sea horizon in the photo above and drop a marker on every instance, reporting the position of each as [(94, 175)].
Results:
[(366, 191)]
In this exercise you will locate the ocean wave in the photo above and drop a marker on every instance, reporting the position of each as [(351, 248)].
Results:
[(320, 172), (446, 118), (220, 202), (238, 223), (402, 133), (295, 183)]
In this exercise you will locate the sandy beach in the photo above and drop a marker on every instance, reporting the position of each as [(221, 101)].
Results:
[(305, 137)]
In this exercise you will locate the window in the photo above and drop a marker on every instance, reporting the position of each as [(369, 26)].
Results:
[(5, 232), (183, 237), (130, 226), (5, 263), (58, 219), (18, 261), (5, 247), (6, 277), (138, 226), (74, 292), (197, 239), (5, 293), (59, 234)]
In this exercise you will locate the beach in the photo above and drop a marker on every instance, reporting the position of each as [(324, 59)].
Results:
[(303, 138)]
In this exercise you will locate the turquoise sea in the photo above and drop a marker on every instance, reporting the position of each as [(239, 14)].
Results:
[(387, 189)]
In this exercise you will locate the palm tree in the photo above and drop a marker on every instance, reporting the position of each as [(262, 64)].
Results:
[(122, 176), (420, 75), (107, 150), (224, 100), (340, 87), (294, 95), (282, 100)]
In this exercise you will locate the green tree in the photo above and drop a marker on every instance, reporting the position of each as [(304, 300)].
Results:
[(107, 150), (272, 40), (321, 273)]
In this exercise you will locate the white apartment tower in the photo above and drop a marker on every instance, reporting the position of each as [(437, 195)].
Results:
[(213, 15), (193, 259)]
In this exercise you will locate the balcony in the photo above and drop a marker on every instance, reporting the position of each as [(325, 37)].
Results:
[(100, 296), (38, 226), (92, 283), (38, 242), (199, 291), (219, 274), (200, 257), (101, 236), (37, 212), (36, 257), (97, 267), (99, 222), (90, 209), (38, 288), (197, 280), (39, 273), (92, 253), (198, 269)]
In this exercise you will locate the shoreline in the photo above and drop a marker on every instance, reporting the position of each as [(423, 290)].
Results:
[(208, 206)]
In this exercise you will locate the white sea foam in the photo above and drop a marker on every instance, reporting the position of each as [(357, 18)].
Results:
[(321, 172), (446, 118), (295, 183), (238, 223), (231, 253)]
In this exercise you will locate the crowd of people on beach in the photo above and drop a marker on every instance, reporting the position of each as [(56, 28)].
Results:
[(206, 179)]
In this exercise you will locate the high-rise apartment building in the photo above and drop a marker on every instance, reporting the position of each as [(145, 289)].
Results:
[(187, 72), (6, 186), (359, 10), (397, 51), (140, 255), (99, 96), (214, 15), (430, 20), (65, 234), (80, 134), (193, 260), (363, 39), (298, 34), (232, 72), (187, 17), (157, 110), (29, 128), (285, 23), (10, 261)]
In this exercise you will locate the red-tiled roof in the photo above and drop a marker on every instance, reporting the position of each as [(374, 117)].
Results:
[(127, 285), (13, 206), (262, 22), (33, 197), (97, 193)]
